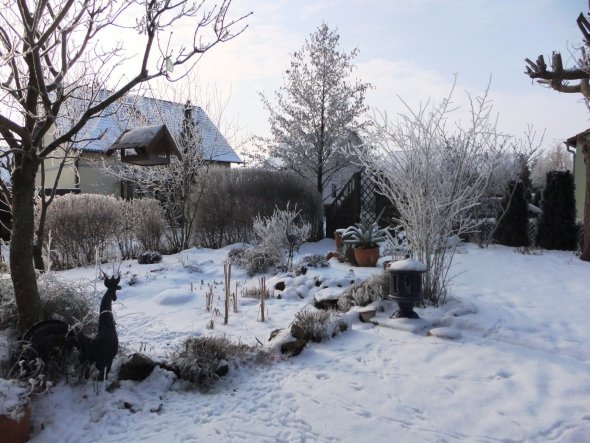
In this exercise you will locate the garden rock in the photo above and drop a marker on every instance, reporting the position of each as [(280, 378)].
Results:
[(293, 348), (137, 368)]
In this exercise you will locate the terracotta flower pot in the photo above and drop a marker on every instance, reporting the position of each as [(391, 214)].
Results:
[(366, 257), (16, 430)]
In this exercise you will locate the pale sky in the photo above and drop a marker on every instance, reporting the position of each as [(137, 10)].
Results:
[(410, 48)]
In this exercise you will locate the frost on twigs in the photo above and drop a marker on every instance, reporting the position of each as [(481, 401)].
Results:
[(436, 168)]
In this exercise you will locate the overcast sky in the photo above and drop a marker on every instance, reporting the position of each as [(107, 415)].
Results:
[(410, 48)]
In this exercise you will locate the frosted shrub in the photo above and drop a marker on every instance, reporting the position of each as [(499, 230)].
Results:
[(280, 235), (81, 225), (124, 236), (253, 259), (315, 325), (435, 171), (148, 223)]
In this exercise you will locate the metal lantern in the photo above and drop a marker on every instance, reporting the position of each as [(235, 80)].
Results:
[(405, 286)]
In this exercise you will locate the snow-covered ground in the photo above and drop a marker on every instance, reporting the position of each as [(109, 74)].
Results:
[(507, 359)]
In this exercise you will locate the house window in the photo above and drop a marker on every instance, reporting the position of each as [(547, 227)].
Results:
[(395, 285)]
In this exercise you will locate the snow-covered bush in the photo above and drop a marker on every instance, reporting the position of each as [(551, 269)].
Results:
[(374, 288), (149, 257), (280, 235), (254, 260), (233, 198), (203, 360), (435, 170), (314, 261), (81, 227), (316, 325)]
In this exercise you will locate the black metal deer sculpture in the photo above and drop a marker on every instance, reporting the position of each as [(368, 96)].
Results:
[(47, 335)]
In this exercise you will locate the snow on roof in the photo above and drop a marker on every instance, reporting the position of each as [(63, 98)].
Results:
[(133, 111), (407, 265)]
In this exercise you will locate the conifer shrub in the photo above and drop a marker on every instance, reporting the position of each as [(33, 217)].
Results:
[(231, 199), (557, 224), (513, 227)]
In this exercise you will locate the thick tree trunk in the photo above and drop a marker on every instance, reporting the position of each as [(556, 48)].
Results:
[(21, 243), (586, 229)]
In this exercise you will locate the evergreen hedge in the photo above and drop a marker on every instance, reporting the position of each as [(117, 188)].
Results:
[(514, 226), (557, 224)]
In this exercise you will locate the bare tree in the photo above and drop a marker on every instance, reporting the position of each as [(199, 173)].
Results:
[(50, 50), (436, 175), (317, 111), (560, 79)]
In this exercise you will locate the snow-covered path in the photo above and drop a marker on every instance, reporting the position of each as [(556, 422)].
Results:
[(518, 369)]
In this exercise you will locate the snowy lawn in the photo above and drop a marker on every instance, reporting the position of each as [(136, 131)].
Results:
[(505, 360)]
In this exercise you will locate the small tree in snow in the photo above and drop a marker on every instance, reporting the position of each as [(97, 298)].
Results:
[(317, 110), (435, 176)]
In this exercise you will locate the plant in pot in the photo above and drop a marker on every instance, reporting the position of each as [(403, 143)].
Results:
[(365, 238)]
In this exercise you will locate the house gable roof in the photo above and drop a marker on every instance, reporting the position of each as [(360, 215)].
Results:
[(133, 111), (574, 139)]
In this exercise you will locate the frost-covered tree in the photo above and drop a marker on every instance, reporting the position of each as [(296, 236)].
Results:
[(50, 50), (556, 158), (436, 173), (317, 111)]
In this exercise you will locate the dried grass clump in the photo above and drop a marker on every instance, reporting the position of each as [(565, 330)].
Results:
[(317, 325), (255, 292), (203, 360), (372, 289), (75, 302)]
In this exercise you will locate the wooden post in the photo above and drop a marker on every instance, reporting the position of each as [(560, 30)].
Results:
[(227, 275), (262, 297)]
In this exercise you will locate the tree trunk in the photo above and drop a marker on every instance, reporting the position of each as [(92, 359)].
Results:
[(586, 229), (22, 270)]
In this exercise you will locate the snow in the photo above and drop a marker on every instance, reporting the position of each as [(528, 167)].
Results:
[(407, 265), (139, 136), (505, 359)]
